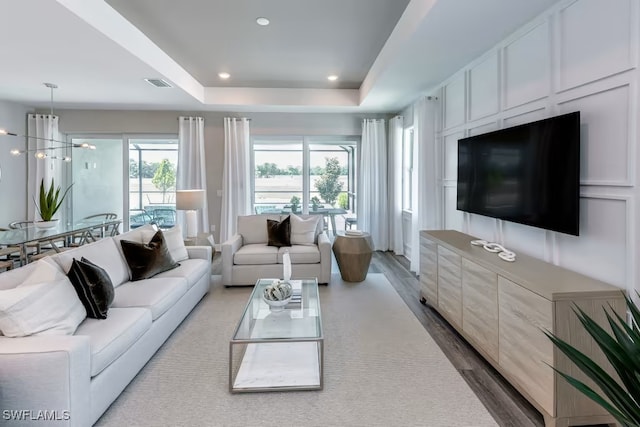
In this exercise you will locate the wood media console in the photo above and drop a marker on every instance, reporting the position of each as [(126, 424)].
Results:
[(501, 309)]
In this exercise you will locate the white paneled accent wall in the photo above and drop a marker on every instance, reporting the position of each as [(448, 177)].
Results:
[(580, 55)]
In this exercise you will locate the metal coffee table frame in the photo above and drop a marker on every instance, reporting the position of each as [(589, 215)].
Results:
[(277, 351)]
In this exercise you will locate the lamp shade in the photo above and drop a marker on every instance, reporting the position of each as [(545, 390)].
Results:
[(188, 200)]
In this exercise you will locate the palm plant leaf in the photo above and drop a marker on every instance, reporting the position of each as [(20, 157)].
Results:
[(622, 350), (50, 200), (621, 356), (590, 393), (606, 383)]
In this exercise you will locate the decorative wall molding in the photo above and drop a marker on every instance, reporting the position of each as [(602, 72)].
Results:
[(556, 64), (527, 67), (484, 87), (585, 55), (454, 102), (606, 132)]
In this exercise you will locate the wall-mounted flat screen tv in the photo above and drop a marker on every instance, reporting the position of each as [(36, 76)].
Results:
[(529, 174)]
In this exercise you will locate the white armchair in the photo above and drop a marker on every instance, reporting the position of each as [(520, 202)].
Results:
[(246, 256)]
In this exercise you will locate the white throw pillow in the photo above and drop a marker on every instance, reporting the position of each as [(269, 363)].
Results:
[(49, 308), (43, 272), (174, 241), (303, 231)]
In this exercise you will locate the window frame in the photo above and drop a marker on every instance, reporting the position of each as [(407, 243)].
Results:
[(307, 141)]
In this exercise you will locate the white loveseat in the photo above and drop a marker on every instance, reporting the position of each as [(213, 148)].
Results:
[(74, 378), (246, 257)]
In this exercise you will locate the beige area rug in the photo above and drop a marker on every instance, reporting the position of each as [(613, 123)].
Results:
[(381, 369)]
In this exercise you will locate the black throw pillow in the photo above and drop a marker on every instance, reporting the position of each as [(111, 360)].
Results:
[(147, 260), (279, 232), (93, 286)]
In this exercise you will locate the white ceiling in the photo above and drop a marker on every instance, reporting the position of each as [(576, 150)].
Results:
[(386, 52)]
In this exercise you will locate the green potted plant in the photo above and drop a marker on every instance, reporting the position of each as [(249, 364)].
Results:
[(315, 202), (621, 398), (50, 202), (295, 203)]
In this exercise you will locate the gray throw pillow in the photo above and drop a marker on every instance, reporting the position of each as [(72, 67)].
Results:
[(147, 260), (93, 286), (279, 232)]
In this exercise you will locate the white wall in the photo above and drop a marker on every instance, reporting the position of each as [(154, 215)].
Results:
[(159, 122), (13, 182), (579, 55)]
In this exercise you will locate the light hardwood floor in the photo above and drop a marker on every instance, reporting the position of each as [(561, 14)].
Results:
[(506, 405)]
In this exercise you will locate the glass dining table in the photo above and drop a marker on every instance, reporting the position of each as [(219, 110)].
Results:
[(83, 230)]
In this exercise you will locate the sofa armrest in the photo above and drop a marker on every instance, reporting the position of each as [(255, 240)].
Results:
[(200, 252), (228, 249), (46, 373), (324, 246)]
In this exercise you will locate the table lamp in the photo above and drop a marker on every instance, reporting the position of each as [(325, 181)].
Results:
[(190, 201)]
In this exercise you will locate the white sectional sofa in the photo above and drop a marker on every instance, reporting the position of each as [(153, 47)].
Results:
[(74, 378), (246, 256)]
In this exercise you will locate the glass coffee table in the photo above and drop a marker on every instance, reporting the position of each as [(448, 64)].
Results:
[(278, 350)]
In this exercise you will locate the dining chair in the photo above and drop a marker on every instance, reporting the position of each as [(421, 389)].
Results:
[(8, 253), (107, 230)]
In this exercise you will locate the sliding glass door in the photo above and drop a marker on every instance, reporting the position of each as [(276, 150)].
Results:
[(133, 176), (152, 181), (97, 177)]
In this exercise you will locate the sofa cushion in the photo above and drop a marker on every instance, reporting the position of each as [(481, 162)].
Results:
[(145, 260), (93, 286), (191, 269), (111, 337), (253, 228), (156, 294), (279, 232), (103, 253), (257, 253), (46, 308), (303, 231), (301, 254)]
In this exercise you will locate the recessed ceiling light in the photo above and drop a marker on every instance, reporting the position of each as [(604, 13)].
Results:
[(262, 21), (224, 76), (332, 77)]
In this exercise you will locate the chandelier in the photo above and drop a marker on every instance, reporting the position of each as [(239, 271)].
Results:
[(47, 152)]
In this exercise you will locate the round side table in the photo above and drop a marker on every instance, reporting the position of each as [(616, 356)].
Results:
[(353, 254)]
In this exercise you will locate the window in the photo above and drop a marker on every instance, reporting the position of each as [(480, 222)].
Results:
[(277, 174), (152, 181), (305, 174), (407, 169)]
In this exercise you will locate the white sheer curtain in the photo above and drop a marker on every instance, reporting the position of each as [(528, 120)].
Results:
[(396, 129), (44, 130), (372, 184), (425, 189), (235, 177), (191, 171)]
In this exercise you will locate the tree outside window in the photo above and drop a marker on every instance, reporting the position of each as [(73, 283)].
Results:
[(164, 178), (329, 185)]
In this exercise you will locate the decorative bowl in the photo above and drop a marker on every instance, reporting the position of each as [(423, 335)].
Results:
[(277, 305), (277, 294)]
